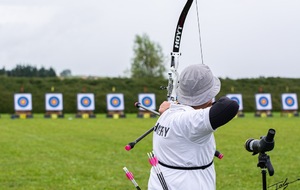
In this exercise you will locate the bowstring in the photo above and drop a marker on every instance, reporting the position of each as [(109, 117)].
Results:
[(199, 31)]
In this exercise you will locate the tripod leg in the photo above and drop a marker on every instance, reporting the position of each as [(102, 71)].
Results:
[(264, 180)]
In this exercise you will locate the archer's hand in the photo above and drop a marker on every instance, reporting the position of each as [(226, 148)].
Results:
[(163, 107)]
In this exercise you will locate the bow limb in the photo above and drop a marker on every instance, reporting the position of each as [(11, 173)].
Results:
[(173, 74)]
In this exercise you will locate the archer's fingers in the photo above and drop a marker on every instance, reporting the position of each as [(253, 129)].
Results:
[(164, 106)]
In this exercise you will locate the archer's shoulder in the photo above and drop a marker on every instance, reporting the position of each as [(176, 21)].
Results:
[(180, 107)]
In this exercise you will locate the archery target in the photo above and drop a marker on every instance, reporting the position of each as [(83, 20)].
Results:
[(115, 102), (263, 101), (85, 101), (23, 102), (289, 101), (54, 102), (237, 98), (147, 100)]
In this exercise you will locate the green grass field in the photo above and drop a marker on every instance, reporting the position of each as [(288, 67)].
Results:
[(89, 154)]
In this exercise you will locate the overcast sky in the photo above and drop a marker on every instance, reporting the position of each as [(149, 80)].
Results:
[(240, 38)]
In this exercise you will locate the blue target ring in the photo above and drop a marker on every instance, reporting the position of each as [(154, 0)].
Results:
[(85, 101), (147, 101), (23, 101), (115, 101), (263, 101), (53, 101), (235, 99), (289, 101)]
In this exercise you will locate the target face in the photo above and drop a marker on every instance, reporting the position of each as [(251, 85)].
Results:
[(85, 101), (54, 102), (289, 101), (23, 102), (147, 100), (237, 98), (263, 101), (115, 102)]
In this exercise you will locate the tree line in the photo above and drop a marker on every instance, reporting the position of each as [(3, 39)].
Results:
[(28, 71)]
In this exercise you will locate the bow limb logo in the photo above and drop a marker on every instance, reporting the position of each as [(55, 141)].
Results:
[(178, 37)]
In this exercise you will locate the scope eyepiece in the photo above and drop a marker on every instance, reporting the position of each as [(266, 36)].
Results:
[(266, 143)]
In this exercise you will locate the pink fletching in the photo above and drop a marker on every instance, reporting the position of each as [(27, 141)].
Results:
[(129, 175), (155, 160), (152, 161)]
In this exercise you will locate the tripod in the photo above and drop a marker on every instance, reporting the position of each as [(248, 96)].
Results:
[(264, 163)]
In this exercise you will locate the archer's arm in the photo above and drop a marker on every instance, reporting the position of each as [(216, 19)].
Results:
[(222, 111)]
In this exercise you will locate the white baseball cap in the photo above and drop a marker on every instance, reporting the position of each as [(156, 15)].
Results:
[(197, 85)]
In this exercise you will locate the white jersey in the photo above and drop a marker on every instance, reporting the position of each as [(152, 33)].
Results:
[(184, 137)]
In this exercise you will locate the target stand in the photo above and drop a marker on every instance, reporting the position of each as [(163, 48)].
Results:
[(289, 105), (240, 114), (85, 114), (115, 114), (148, 101), (23, 106), (263, 105), (263, 113), (85, 105), (54, 114), (289, 113), (22, 115), (54, 105), (115, 105), (145, 114)]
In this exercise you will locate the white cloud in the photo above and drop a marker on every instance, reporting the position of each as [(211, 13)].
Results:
[(26, 15)]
